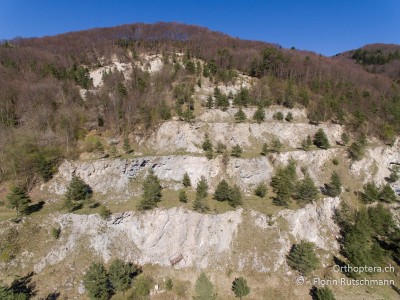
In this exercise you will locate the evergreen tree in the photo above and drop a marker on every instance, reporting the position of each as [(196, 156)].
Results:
[(259, 115), (334, 187), (370, 194), (77, 192), (284, 183), (322, 293), (289, 117), (236, 151), (202, 188), (278, 116), (97, 283), (204, 289), (321, 140), (220, 148), (302, 257), (264, 149), (186, 180), (306, 191), (207, 146), (240, 287), (127, 146), (121, 274), (151, 192), (223, 191), (235, 198), (306, 143), (18, 199), (261, 190), (394, 174), (276, 145), (240, 116), (387, 194), (210, 102), (182, 196)]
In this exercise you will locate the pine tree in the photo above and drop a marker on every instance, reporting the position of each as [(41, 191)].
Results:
[(261, 190), (236, 151), (240, 116), (387, 194), (121, 274), (322, 293), (127, 146), (302, 257), (183, 196), (289, 117), (151, 192), (276, 145), (334, 187), (220, 148), (223, 191), (204, 289), (321, 140), (394, 174), (207, 146), (306, 192), (284, 183), (370, 193), (186, 180), (202, 188), (19, 200), (77, 192), (240, 287), (97, 283), (210, 102), (235, 198), (259, 115), (264, 149)]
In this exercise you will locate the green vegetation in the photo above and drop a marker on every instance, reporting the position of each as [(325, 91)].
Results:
[(261, 190), (322, 293), (321, 140), (375, 57), (204, 289), (240, 287), (264, 149), (334, 187), (289, 117), (201, 193), (141, 287), (151, 192), (121, 274), (127, 146), (357, 149), (104, 213), (56, 232), (259, 115), (284, 183), (276, 145), (186, 180), (97, 283), (183, 196), (240, 116), (306, 191), (18, 199), (278, 116), (306, 143), (207, 147), (236, 151), (77, 193), (302, 257), (394, 174), (224, 192)]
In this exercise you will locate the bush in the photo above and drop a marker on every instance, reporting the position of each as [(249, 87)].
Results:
[(56, 232), (387, 194), (264, 149), (207, 145), (322, 293), (141, 287), (261, 190), (302, 258), (357, 149), (306, 143), (236, 151), (345, 138), (220, 148), (127, 146), (182, 196), (97, 283), (204, 289), (240, 287), (169, 284), (321, 140), (394, 174), (104, 213), (276, 145), (289, 117), (335, 161)]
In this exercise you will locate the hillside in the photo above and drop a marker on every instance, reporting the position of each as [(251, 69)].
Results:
[(281, 147)]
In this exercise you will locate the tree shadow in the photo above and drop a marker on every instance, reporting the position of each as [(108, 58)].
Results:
[(34, 208), (52, 296), (24, 285)]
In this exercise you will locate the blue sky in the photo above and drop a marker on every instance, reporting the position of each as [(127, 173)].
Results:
[(326, 27)]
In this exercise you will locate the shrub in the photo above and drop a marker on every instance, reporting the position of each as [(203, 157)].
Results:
[(306, 143), (220, 148), (56, 232), (321, 140), (104, 213), (345, 138), (276, 145), (322, 293), (387, 194), (261, 190), (169, 284), (240, 287), (207, 145), (141, 287), (127, 146), (335, 161), (264, 149), (302, 257), (394, 174)]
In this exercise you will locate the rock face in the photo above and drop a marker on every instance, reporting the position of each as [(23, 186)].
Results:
[(203, 240)]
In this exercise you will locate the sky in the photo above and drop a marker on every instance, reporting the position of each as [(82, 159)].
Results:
[(323, 26)]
